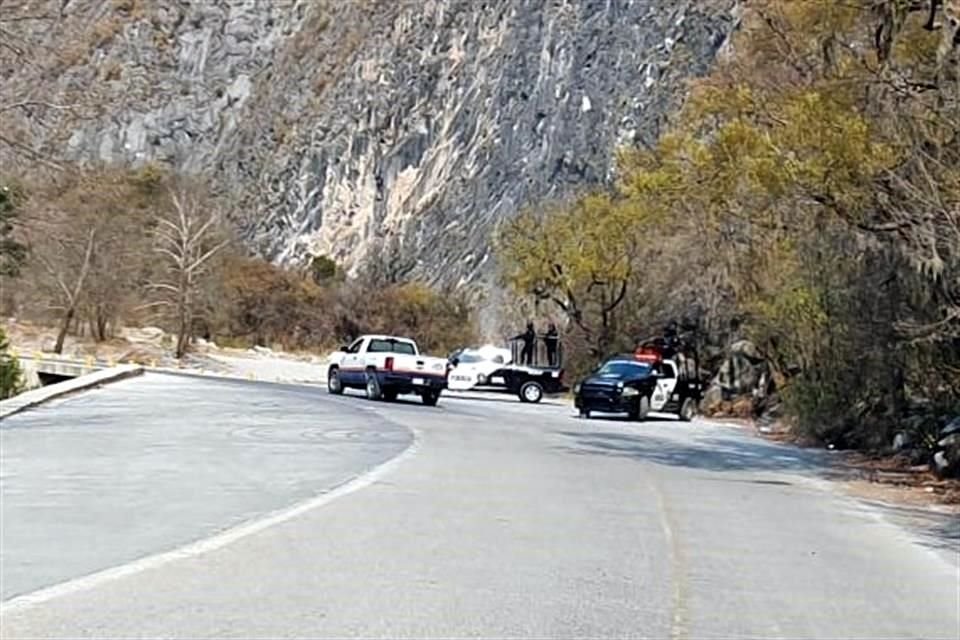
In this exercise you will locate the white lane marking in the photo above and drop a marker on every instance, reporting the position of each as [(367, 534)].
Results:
[(26, 601)]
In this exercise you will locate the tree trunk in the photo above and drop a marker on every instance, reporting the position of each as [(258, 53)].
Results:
[(183, 330), (183, 316), (102, 324), (64, 327)]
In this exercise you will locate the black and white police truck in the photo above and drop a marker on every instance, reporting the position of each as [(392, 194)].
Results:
[(497, 370), (649, 379)]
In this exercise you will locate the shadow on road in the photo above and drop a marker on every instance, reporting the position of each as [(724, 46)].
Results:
[(615, 417), (504, 398), (938, 531), (709, 454)]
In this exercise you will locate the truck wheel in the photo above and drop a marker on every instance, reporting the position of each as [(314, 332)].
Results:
[(373, 387), (430, 398), (531, 392), (643, 408), (334, 384), (390, 395), (688, 410), (584, 414)]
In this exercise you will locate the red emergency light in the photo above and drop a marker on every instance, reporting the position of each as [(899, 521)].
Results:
[(648, 354)]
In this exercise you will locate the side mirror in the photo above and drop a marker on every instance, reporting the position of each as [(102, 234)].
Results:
[(454, 361), (342, 348)]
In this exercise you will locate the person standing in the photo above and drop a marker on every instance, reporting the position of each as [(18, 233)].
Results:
[(552, 342), (529, 338)]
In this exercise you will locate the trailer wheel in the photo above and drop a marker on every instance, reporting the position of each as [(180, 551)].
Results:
[(531, 392), (688, 410)]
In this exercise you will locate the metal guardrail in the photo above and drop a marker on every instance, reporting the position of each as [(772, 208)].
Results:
[(88, 362)]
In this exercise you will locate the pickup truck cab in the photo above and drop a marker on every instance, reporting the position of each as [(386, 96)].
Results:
[(385, 367)]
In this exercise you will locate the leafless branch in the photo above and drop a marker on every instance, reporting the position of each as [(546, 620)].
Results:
[(23, 104)]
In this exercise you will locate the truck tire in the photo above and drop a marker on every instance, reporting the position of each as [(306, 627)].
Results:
[(430, 398), (688, 410), (531, 392), (372, 386), (334, 383), (643, 408)]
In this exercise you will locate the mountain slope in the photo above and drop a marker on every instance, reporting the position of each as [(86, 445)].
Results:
[(362, 129)]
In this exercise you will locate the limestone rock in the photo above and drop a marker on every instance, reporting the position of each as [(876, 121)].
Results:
[(358, 128)]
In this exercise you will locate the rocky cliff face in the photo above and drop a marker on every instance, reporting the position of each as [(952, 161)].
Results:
[(401, 130)]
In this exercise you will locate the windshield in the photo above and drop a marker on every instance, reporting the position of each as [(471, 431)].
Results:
[(469, 358), (622, 368)]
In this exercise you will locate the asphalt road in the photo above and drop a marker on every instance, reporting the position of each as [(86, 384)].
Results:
[(502, 520), (156, 462)]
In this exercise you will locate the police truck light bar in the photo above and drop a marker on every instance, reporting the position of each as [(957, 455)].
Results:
[(651, 355)]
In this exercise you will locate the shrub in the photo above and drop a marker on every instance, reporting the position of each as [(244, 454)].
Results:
[(323, 269), (11, 379)]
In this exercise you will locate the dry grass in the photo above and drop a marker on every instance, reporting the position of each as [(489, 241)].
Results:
[(104, 31)]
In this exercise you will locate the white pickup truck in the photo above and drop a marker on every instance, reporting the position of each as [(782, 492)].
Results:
[(385, 367)]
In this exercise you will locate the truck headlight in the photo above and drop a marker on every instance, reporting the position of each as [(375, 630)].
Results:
[(629, 392)]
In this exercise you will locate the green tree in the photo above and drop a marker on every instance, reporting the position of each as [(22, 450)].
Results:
[(10, 375), (323, 269), (582, 258), (13, 253), (811, 186)]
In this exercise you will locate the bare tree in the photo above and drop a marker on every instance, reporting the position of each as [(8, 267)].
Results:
[(187, 236), (66, 260), (86, 239)]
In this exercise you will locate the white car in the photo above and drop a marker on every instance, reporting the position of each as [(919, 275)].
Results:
[(385, 367)]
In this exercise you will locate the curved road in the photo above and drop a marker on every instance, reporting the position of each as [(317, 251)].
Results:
[(504, 520), (156, 462)]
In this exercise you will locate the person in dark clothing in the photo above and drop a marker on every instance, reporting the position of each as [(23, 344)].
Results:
[(671, 339), (529, 338), (552, 341)]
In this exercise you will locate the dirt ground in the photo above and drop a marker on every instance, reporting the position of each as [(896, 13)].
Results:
[(28, 339), (153, 348), (885, 479)]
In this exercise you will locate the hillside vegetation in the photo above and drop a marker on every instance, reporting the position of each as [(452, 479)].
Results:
[(95, 250), (809, 194)]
